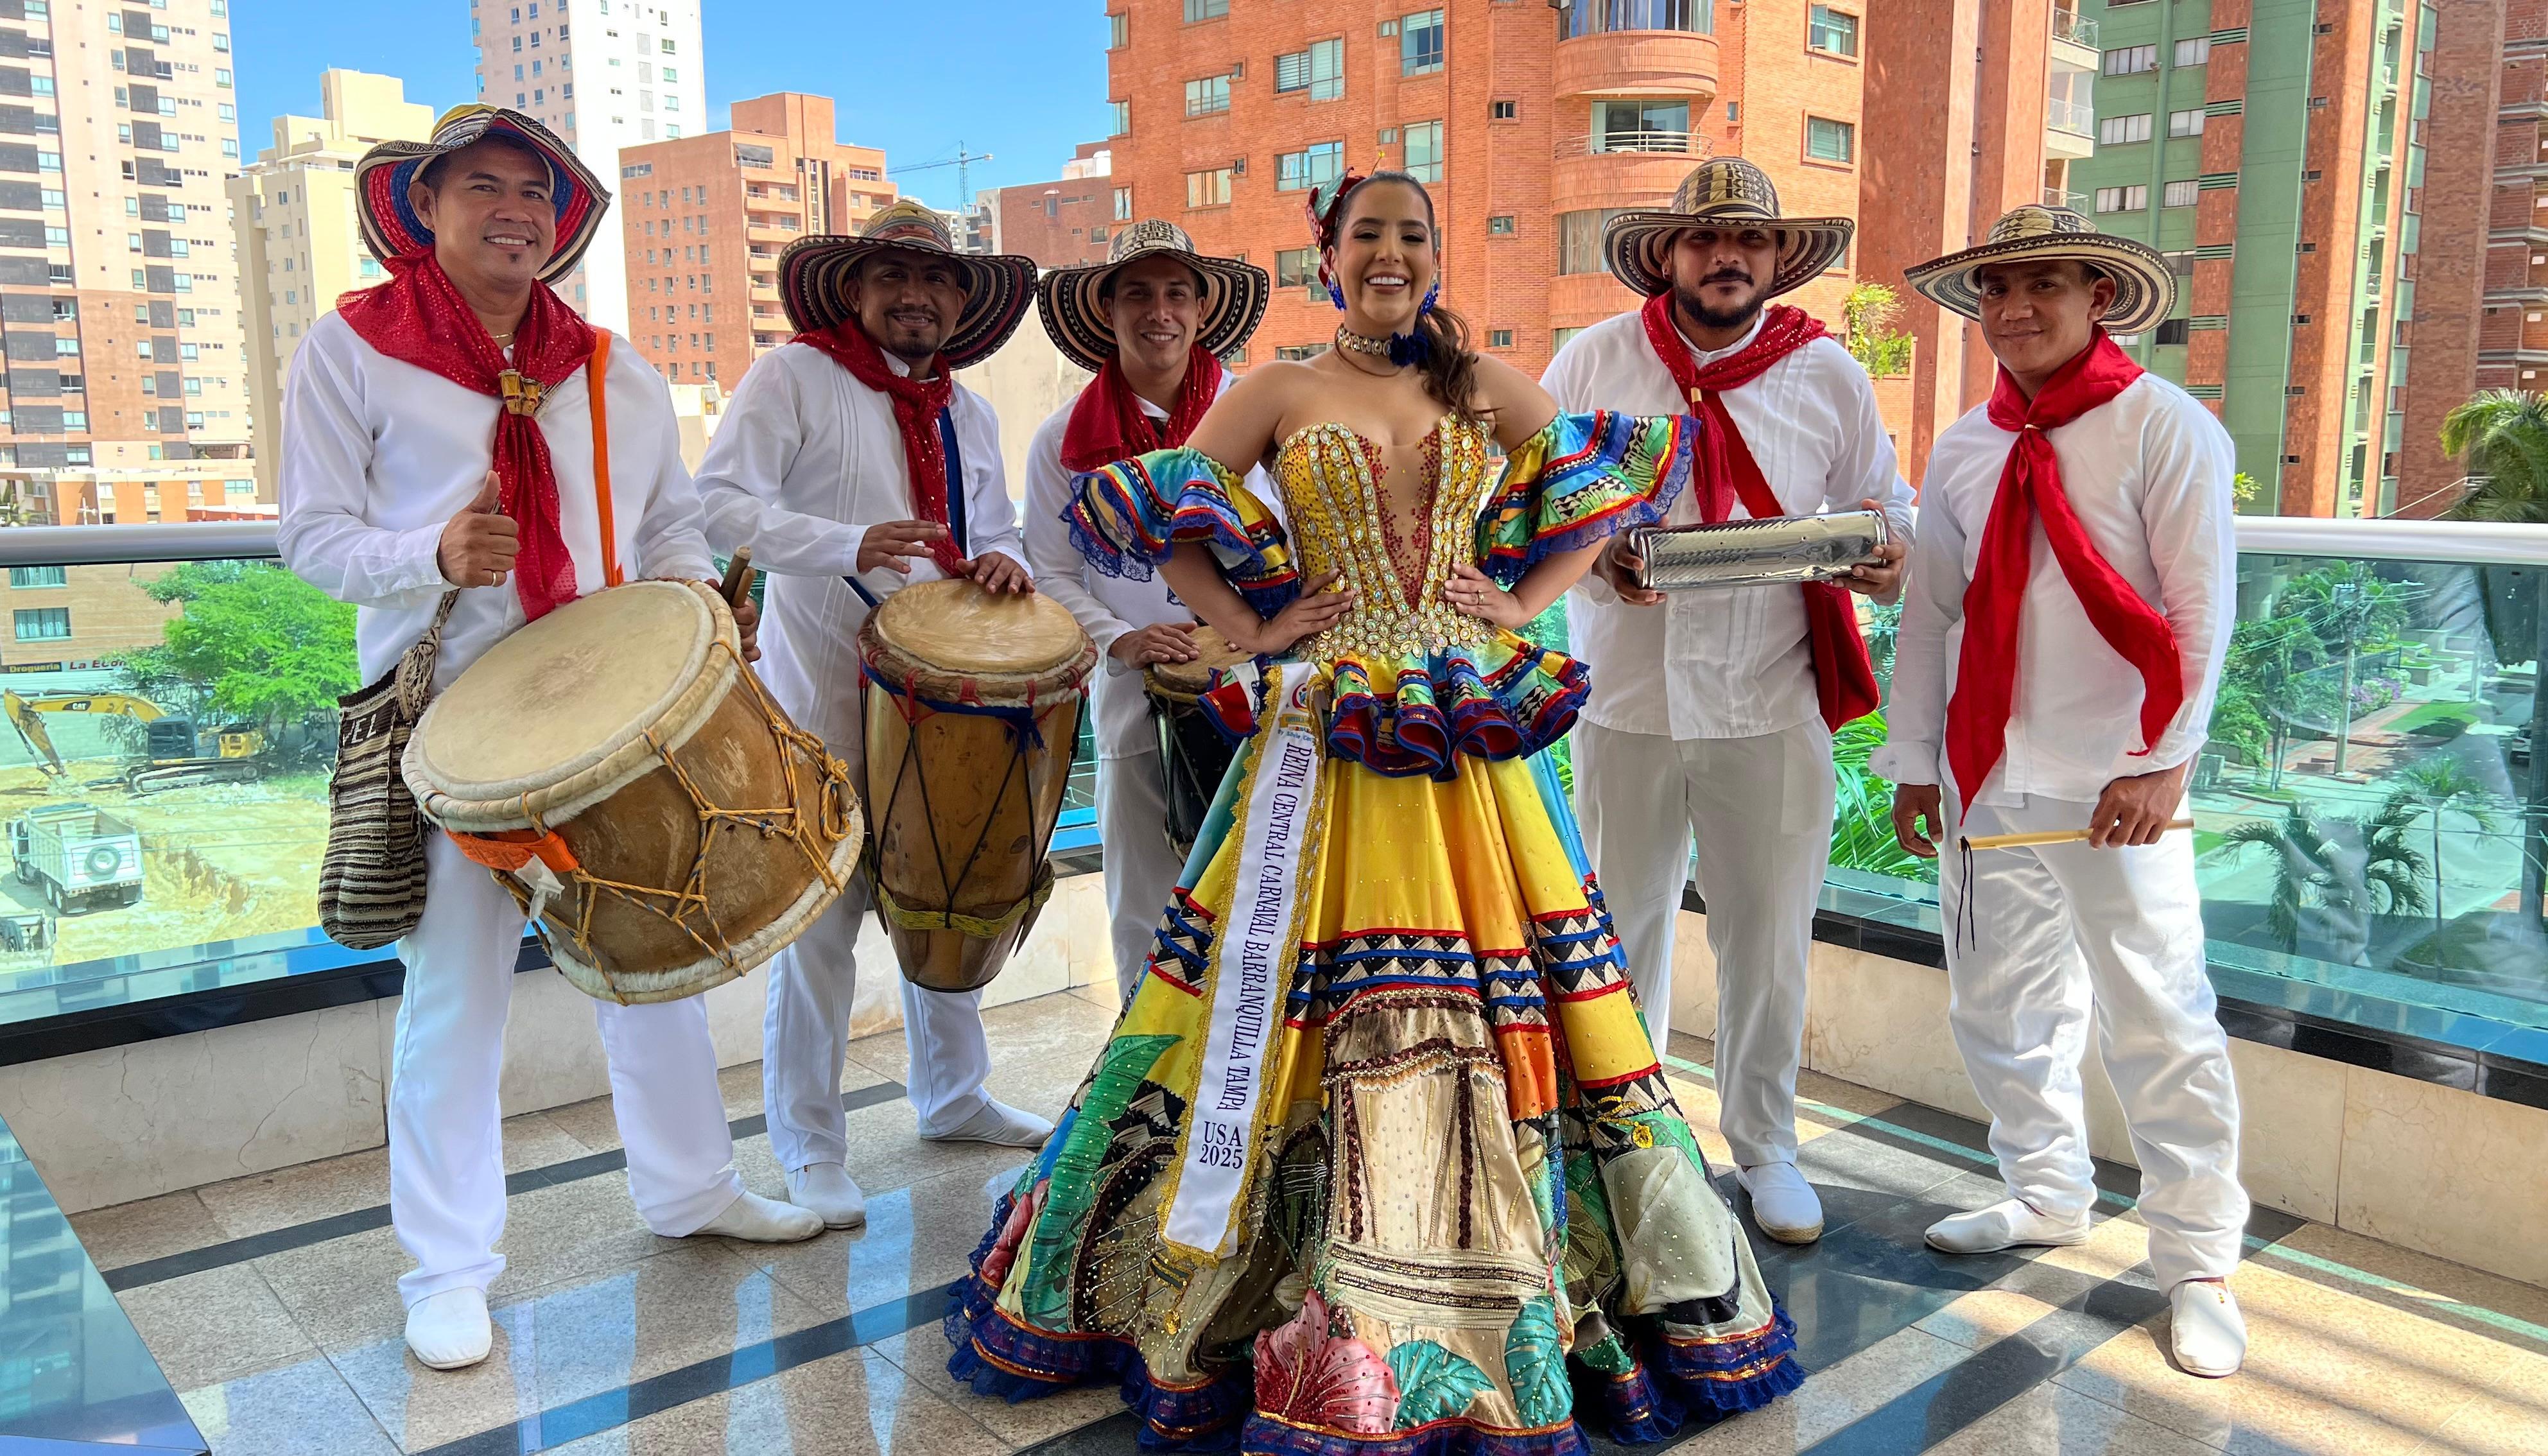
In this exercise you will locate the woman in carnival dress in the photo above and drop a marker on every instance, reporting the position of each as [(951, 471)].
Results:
[(1384, 1104)]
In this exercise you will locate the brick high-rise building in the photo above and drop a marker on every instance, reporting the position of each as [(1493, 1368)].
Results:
[(707, 217), (643, 74), (1060, 224), (2269, 147), (119, 302), (299, 247)]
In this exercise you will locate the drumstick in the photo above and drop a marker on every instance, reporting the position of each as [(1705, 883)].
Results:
[(2045, 837), (736, 588)]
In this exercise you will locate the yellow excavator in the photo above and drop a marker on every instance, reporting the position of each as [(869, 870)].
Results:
[(173, 755)]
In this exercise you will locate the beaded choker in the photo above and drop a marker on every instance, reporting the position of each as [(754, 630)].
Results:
[(1401, 349)]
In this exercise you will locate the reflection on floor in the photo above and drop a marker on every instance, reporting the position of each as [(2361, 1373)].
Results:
[(271, 1303)]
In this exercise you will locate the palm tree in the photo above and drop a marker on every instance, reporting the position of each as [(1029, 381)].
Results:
[(2502, 439), (2438, 784), (2347, 868), (2349, 608)]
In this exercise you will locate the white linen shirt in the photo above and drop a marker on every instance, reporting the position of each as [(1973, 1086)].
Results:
[(805, 460), (378, 455), (2148, 474), (1106, 606), (1727, 664)]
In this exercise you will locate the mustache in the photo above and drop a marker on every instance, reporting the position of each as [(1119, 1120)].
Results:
[(1727, 275)]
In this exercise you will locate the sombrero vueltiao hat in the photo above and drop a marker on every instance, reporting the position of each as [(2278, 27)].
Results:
[(1232, 302), (2144, 287), (1728, 192), (390, 227), (814, 276)]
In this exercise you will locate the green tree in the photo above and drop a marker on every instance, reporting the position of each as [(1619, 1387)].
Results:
[(2501, 438), (2349, 609), (2261, 683), (1862, 809), (251, 643), (1868, 314), (2352, 868), (2436, 786)]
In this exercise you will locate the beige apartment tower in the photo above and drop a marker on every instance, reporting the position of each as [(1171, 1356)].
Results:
[(299, 247)]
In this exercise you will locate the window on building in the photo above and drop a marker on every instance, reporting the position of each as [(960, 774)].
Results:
[(1298, 267), (1833, 31), (1424, 151), (2121, 199), (1203, 97), (1205, 9), (2178, 194), (1300, 351), (1499, 226), (1420, 43), (1319, 70), (1503, 110), (2131, 60), (2185, 123), (1121, 119), (2171, 332), (1579, 240), (1208, 188), (2116, 131), (1311, 167), (1499, 339), (1123, 204), (1640, 125), (1829, 140), (1580, 19), (38, 576), (1119, 30), (2194, 52), (43, 623)]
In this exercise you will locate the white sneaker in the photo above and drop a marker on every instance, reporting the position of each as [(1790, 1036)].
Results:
[(2206, 1328), (757, 1220), (449, 1330), (1783, 1204), (999, 1124), (827, 1191), (2008, 1223)]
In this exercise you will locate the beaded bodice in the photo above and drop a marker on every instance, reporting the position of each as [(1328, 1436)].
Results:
[(1330, 479)]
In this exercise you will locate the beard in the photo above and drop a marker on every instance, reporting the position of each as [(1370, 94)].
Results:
[(1707, 317)]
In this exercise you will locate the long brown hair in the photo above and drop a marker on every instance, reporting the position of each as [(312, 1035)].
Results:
[(1450, 366)]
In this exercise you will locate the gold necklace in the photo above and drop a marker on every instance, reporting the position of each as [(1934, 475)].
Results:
[(1361, 343)]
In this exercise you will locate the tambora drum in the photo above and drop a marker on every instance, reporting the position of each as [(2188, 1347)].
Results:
[(663, 822), (1193, 755), (973, 700)]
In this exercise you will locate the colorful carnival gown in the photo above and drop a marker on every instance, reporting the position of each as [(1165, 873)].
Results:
[(1379, 1159)]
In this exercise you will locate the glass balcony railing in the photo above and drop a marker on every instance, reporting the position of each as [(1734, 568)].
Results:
[(2080, 118), (2074, 28), (1665, 143)]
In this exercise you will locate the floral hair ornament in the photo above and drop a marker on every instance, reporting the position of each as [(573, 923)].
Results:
[(1327, 209)]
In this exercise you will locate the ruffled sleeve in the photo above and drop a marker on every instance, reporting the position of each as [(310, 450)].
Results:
[(1578, 482), (1126, 517)]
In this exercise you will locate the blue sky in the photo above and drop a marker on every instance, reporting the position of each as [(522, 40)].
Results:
[(1022, 80)]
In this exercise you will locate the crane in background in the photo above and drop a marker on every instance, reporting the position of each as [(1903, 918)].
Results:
[(962, 161)]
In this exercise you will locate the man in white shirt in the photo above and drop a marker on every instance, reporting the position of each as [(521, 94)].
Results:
[(852, 465), (1712, 713), (1152, 323), (393, 415), (2071, 600)]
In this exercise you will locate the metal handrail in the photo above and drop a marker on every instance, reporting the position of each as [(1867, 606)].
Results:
[(1632, 142), (2077, 28), (2054, 197), (242, 540)]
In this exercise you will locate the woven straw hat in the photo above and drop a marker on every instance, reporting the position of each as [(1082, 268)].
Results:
[(1232, 302), (390, 227), (814, 275), (2144, 287), (1727, 192)]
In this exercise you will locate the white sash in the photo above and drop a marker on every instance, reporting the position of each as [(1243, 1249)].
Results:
[(1252, 962)]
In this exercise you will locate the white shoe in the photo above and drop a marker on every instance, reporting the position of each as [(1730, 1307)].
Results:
[(1783, 1204), (2206, 1328), (449, 1330), (2008, 1223), (757, 1220), (999, 1124), (827, 1191)]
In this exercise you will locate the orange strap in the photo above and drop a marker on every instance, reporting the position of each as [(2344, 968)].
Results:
[(512, 849), (595, 371)]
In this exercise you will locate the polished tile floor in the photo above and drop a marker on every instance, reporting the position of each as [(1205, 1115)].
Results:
[(271, 1304)]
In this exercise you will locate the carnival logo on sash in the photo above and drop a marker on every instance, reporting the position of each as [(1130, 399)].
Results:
[(1259, 941)]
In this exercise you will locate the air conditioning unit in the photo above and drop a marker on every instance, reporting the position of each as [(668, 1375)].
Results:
[(1238, 167)]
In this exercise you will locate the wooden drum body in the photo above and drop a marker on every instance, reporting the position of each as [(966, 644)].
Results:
[(972, 707), (629, 780), (1193, 757)]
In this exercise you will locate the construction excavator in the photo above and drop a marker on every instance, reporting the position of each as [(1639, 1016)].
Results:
[(174, 755)]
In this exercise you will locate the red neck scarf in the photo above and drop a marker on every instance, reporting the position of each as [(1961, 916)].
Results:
[(2031, 489), (1844, 678), (419, 318), (1109, 424), (917, 403)]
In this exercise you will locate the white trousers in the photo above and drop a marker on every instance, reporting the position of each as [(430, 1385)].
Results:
[(1141, 867), (2038, 942), (1760, 810), (806, 1036), (446, 1139)]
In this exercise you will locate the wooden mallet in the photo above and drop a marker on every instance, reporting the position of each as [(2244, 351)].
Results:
[(2043, 836), (736, 588)]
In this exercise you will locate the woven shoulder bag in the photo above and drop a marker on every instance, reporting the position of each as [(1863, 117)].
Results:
[(371, 886)]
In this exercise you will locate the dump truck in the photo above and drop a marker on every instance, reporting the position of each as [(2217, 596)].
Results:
[(79, 855)]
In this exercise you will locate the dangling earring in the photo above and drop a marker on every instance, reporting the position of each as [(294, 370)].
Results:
[(1432, 296), (1337, 295)]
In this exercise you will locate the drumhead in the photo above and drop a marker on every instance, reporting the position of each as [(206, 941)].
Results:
[(545, 714), (958, 627), (1213, 652)]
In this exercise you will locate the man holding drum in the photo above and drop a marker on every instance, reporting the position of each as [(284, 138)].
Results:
[(852, 465), (398, 406), (2062, 643), (1151, 322), (1712, 713)]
